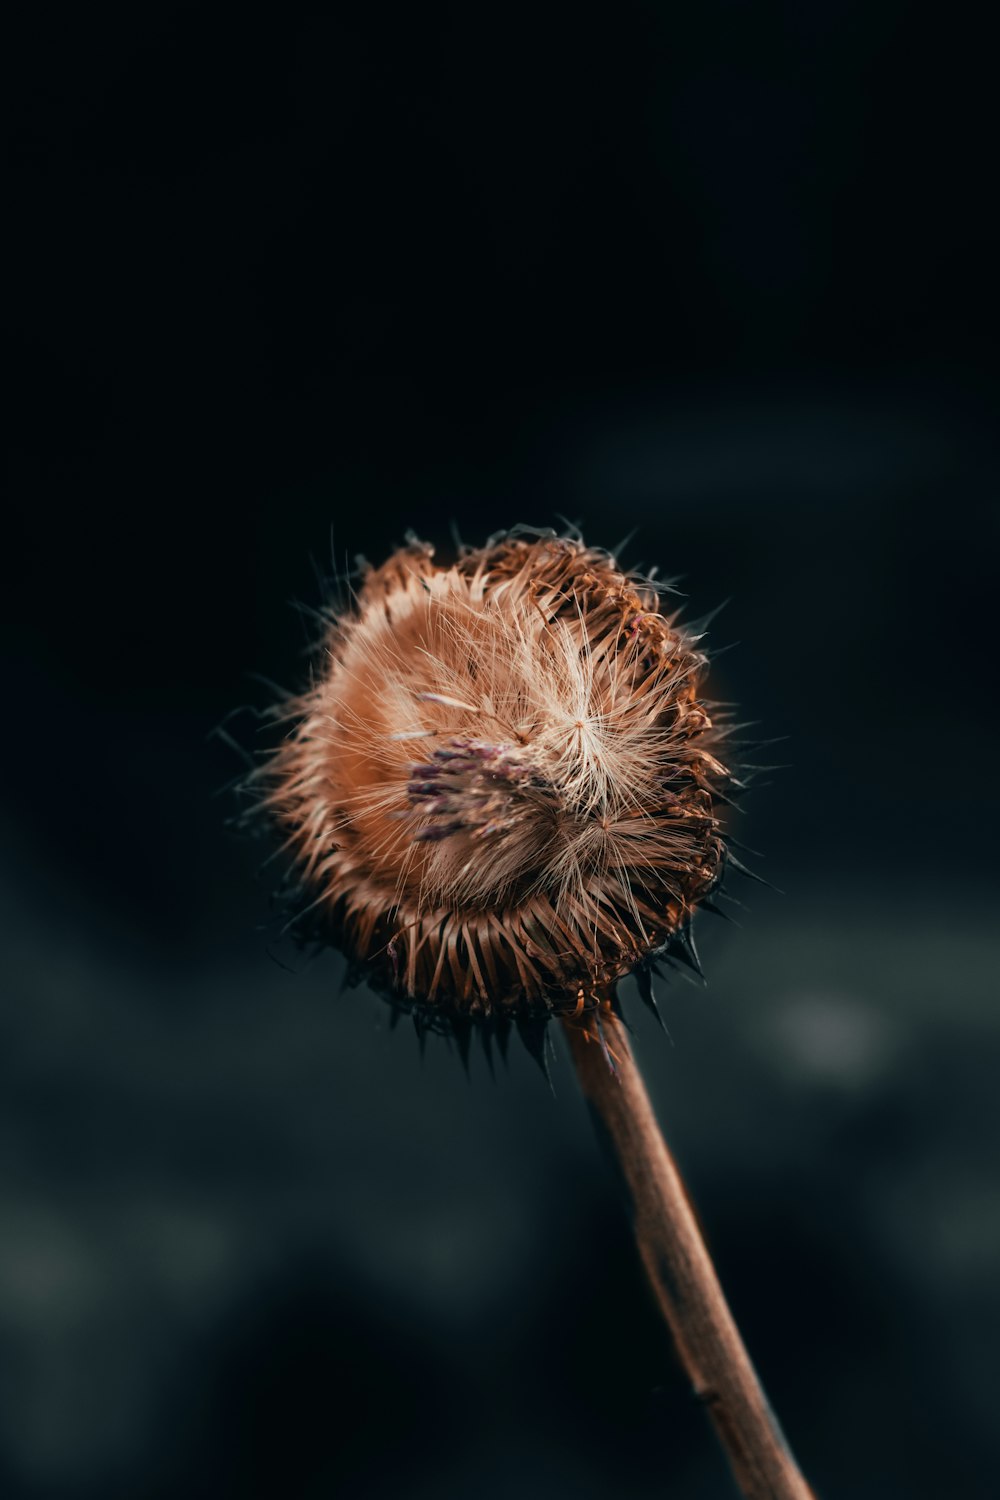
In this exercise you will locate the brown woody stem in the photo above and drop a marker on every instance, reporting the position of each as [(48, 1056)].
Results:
[(678, 1265)]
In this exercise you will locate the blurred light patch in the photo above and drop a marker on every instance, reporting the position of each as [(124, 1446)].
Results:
[(839, 1040)]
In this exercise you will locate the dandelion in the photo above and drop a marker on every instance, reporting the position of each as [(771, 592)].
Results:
[(499, 790), (500, 795)]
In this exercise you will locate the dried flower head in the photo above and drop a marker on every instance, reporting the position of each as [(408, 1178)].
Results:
[(499, 789)]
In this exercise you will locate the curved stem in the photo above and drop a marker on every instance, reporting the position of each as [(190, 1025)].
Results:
[(678, 1265)]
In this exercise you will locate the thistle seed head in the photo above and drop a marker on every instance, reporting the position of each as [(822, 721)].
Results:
[(498, 791)]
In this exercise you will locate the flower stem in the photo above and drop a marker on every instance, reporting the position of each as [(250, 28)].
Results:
[(678, 1265)]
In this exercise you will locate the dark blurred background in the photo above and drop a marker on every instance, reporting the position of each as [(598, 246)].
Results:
[(284, 284)]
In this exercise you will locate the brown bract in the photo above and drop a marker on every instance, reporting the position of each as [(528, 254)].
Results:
[(499, 789)]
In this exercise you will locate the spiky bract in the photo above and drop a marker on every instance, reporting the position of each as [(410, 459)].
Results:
[(499, 789)]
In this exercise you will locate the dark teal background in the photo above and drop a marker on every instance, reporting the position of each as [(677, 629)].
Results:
[(282, 286)]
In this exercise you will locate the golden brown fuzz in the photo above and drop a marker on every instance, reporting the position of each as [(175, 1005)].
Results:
[(499, 789)]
